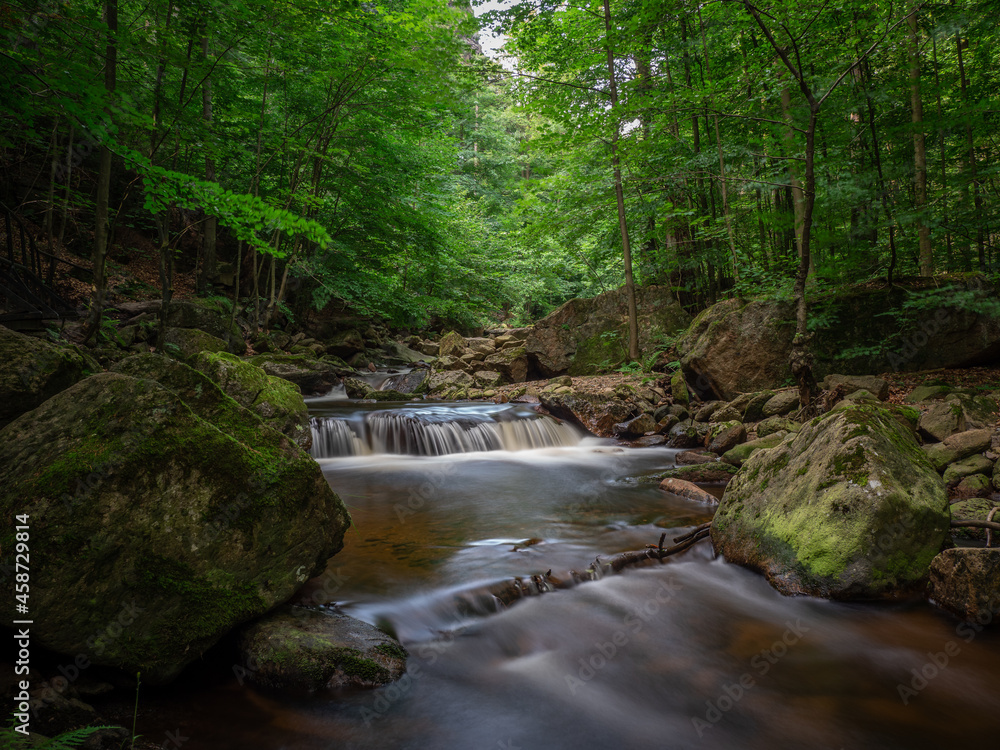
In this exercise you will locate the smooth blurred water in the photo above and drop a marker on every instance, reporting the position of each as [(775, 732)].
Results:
[(691, 653)]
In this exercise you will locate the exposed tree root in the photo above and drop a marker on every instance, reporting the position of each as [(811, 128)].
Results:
[(508, 592)]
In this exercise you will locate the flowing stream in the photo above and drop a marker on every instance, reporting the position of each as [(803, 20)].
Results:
[(697, 653)]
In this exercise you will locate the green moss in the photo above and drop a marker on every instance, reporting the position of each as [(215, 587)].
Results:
[(392, 650), (598, 353)]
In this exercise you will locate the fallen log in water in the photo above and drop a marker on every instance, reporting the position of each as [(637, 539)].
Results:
[(508, 592)]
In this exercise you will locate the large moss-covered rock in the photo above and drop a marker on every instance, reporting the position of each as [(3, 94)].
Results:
[(154, 529), (848, 508), (587, 335), (308, 649), (966, 581), (278, 402), (32, 370)]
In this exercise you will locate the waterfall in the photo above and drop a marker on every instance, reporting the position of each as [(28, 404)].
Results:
[(437, 431)]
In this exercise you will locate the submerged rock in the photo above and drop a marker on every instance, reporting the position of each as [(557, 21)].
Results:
[(688, 490), (308, 649), (848, 508), (157, 527), (33, 370)]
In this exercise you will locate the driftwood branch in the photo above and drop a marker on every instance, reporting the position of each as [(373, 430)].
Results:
[(957, 523), (989, 524), (508, 592)]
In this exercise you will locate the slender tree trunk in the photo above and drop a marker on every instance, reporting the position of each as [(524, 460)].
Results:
[(919, 152), (971, 159), (798, 197), (101, 224), (944, 162), (68, 178), (633, 317), (722, 161), (210, 273)]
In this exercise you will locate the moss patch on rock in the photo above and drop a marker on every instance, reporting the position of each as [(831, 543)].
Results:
[(278, 402)]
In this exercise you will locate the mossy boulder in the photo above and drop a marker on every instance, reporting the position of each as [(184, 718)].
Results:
[(452, 344), (977, 464), (679, 389), (346, 343), (278, 402), (848, 508), (958, 446), (781, 403), (512, 363), (974, 485), (308, 649), (312, 376), (772, 425), (32, 370), (727, 436), (441, 383), (155, 529), (188, 343), (585, 336)]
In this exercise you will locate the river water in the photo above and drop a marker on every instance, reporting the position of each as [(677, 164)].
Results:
[(693, 652)]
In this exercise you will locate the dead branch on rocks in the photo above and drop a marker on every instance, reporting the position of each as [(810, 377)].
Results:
[(508, 592), (990, 526)]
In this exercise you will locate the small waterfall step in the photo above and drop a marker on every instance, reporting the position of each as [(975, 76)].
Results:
[(437, 431)]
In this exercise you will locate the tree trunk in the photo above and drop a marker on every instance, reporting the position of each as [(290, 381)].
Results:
[(944, 162), (209, 269), (633, 316), (971, 159), (722, 161), (919, 152), (101, 227)]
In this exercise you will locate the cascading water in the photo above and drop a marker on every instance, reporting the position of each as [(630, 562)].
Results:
[(438, 430)]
